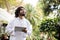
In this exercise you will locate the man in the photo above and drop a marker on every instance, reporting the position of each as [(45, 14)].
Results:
[(23, 26)]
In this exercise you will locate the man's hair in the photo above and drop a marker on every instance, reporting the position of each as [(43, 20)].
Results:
[(17, 11)]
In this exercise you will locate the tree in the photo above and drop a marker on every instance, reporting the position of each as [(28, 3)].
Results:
[(9, 3), (34, 18), (48, 25), (46, 5)]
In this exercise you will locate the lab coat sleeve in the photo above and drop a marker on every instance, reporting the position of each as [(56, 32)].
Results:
[(29, 28), (9, 28)]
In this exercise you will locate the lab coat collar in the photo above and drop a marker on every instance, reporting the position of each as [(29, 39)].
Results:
[(20, 18)]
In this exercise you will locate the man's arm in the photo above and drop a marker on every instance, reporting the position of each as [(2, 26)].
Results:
[(29, 28), (9, 28)]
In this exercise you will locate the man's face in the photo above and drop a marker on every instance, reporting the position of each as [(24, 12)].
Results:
[(22, 12)]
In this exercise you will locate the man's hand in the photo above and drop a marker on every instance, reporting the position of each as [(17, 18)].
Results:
[(24, 30), (5, 37)]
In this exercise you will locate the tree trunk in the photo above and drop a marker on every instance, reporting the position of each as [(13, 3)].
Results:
[(7, 5)]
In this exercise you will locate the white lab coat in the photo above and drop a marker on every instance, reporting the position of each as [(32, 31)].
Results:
[(20, 23)]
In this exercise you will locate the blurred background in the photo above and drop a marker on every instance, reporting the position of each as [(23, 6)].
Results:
[(44, 16)]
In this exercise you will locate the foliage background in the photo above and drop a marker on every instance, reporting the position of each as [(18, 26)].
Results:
[(44, 16)]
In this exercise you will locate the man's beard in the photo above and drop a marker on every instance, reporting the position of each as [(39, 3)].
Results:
[(22, 14)]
